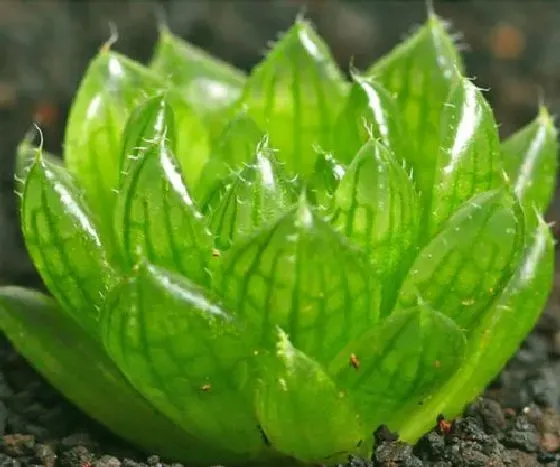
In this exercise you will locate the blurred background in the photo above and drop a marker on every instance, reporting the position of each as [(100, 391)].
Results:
[(511, 48)]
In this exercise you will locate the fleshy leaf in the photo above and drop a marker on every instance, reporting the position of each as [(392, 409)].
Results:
[(167, 117), (467, 264), (469, 160), (531, 161), (420, 74), (296, 94), (370, 112), (157, 218), (186, 355), (236, 146), (111, 88), (64, 243), (302, 276), (206, 83), (498, 335), (26, 155), (389, 370), (300, 409), (257, 195), (44, 334), (324, 181), (376, 206)]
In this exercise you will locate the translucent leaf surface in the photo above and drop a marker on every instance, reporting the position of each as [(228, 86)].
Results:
[(26, 154), (157, 219), (30, 320), (469, 159), (369, 112), (206, 83), (468, 263), (296, 94), (531, 161), (111, 88), (187, 356), (390, 370), (420, 74), (64, 243), (300, 409), (257, 195), (302, 276), (326, 177), (376, 207), (498, 335)]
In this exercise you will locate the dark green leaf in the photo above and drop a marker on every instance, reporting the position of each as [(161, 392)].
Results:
[(302, 276), (187, 356), (531, 161), (300, 409), (157, 219), (389, 370), (467, 264), (75, 364), (497, 337), (324, 181), (64, 243), (296, 94), (376, 206)]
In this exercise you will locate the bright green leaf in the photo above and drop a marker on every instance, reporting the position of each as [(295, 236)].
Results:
[(296, 94), (531, 160), (376, 206), (468, 263), (186, 355), (26, 154), (43, 334), (302, 276), (64, 243), (326, 177), (295, 390)]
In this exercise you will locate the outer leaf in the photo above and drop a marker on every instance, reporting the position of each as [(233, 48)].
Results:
[(43, 334), (187, 356), (206, 83), (498, 335), (64, 243), (467, 264), (296, 94), (112, 86), (324, 181), (376, 207), (157, 218), (259, 194), (469, 160), (420, 74), (530, 159), (167, 117), (26, 156), (236, 146), (302, 276), (301, 410), (399, 364), (370, 112)]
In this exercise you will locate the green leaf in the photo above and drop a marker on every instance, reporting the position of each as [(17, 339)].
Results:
[(398, 364), (74, 363), (300, 409), (531, 161), (64, 243), (469, 159), (376, 206), (206, 83), (157, 219), (465, 266), (111, 88), (187, 356), (498, 335), (236, 145), (257, 195), (26, 154), (370, 112), (420, 73), (326, 177), (302, 276), (296, 94)]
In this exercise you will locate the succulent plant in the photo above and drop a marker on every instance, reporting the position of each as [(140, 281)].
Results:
[(268, 267)]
